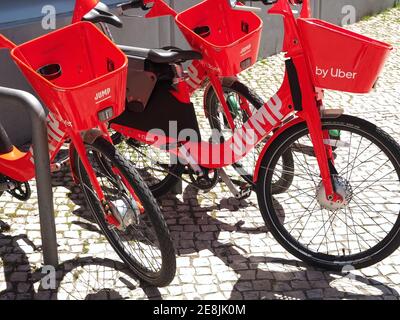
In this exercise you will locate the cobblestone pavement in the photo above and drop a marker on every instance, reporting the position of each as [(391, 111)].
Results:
[(223, 250)]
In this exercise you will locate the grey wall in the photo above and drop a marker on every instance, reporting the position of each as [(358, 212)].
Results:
[(330, 10), (137, 31)]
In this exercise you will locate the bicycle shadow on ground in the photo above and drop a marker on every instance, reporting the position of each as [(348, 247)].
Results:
[(89, 278), (85, 278), (256, 279)]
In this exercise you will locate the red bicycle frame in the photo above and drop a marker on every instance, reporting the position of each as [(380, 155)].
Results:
[(306, 106)]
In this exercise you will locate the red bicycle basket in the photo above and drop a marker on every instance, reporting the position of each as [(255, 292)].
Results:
[(92, 79), (341, 59), (233, 39)]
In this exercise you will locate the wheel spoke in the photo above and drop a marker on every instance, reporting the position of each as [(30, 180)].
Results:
[(368, 179)]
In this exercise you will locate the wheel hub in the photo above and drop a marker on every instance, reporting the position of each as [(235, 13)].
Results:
[(342, 187), (126, 212)]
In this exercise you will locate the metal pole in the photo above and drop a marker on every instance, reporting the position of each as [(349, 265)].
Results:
[(42, 168)]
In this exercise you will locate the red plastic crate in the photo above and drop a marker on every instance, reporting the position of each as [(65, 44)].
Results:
[(234, 38), (341, 59), (93, 73)]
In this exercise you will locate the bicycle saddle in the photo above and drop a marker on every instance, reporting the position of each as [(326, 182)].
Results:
[(162, 56), (102, 13)]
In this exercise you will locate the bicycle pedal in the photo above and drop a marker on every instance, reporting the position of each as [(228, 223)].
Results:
[(244, 192)]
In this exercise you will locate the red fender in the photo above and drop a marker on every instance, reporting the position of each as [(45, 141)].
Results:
[(90, 136), (270, 141), (12, 162), (209, 87)]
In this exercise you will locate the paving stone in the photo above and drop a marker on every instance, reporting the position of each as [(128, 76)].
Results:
[(315, 294), (248, 275), (244, 286), (262, 285), (315, 275), (395, 278), (18, 277), (295, 295), (24, 287), (386, 270), (251, 295), (300, 284), (281, 286), (201, 262), (227, 276), (370, 272)]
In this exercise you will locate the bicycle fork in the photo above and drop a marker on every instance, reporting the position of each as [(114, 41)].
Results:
[(79, 145), (311, 114)]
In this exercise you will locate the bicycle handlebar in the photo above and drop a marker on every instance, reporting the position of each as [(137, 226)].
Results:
[(269, 2), (235, 5), (132, 5)]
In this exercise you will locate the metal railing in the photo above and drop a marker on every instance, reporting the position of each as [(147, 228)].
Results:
[(42, 168)]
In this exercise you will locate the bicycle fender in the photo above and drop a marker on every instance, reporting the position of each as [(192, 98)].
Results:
[(285, 127), (89, 137), (226, 81)]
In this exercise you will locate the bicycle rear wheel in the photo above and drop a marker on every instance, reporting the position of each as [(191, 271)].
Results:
[(158, 168), (235, 92), (358, 234), (137, 230)]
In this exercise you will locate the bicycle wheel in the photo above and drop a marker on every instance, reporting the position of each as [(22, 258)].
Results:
[(358, 233), (141, 239), (235, 91), (157, 168)]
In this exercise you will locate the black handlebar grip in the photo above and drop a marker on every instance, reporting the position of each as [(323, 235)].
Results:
[(266, 2), (131, 5)]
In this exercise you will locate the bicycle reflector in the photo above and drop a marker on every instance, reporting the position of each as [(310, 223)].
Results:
[(246, 63), (105, 114)]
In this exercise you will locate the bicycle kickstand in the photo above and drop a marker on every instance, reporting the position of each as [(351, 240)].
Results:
[(238, 194)]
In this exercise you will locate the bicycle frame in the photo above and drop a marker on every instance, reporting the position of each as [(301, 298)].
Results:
[(297, 95)]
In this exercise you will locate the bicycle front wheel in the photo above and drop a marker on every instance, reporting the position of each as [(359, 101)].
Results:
[(358, 233), (137, 230)]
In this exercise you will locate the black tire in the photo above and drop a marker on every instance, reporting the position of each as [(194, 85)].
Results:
[(281, 183), (159, 186), (103, 154), (368, 232)]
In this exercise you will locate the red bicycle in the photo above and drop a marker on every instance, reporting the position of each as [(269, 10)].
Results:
[(341, 207), (81, 77), (215, 70)]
